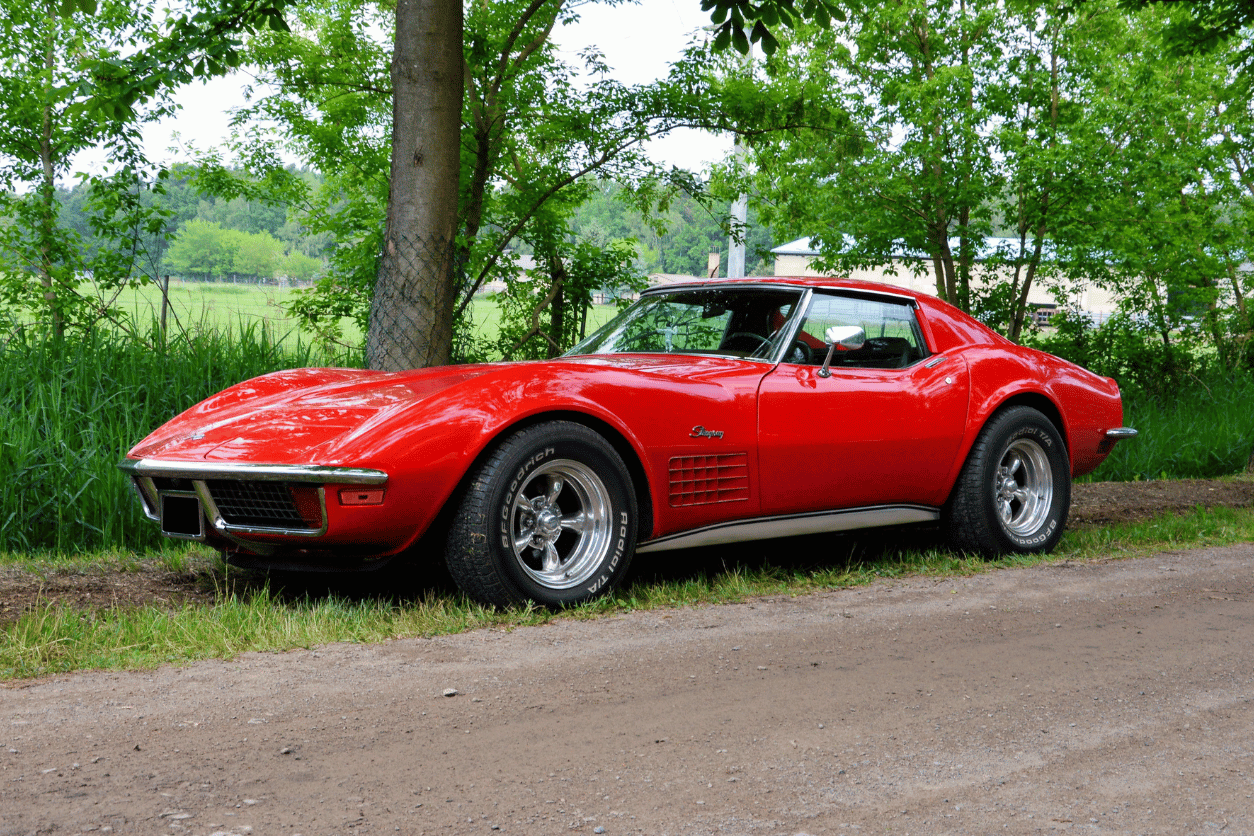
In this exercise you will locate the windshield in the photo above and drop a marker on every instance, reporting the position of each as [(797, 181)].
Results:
[(730, 322)]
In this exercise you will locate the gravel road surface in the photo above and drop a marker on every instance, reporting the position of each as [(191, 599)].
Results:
[(1107, 697)]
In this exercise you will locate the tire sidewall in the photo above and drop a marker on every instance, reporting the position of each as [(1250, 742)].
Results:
[(529, 451), (1035, 427)]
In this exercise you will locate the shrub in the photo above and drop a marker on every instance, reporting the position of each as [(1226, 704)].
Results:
[(1132, 352)]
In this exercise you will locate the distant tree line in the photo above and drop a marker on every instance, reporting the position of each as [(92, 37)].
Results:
[(678, 239), (212, 238)]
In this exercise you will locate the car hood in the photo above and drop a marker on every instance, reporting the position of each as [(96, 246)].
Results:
[(347, 416), (296, 416)]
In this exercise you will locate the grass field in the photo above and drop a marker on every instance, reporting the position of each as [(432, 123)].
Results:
[(227, 307), (212, 305)]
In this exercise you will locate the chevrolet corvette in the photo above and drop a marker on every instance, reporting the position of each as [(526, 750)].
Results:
[(706, 413)]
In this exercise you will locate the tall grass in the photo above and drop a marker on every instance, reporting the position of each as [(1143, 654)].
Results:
[(1202, 430), (1193, 410), (70, 409)]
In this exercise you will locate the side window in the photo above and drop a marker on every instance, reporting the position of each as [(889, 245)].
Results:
[(893, 337)]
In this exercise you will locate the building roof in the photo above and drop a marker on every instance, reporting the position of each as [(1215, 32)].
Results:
[(988, 247)]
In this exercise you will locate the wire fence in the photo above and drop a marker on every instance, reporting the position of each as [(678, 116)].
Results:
[(412, 310)]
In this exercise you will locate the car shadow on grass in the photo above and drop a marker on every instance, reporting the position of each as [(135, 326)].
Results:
[(417, 577), (408, 579), (885, 549)]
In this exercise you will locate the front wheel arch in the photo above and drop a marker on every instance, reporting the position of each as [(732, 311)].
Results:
[(624, 448)]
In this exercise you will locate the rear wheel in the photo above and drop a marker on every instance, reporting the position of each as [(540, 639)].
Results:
[(549, 516), (1014, 492)]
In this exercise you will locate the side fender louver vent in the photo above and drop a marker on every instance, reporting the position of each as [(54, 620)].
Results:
[(704, 480)]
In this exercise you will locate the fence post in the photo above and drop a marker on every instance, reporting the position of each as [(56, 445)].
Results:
[(165, 300)]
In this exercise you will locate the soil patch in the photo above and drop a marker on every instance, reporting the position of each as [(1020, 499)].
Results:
[(1103, 503), (96, 588)]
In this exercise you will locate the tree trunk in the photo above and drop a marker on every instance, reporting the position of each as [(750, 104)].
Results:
[(1020, 313), (411, 316), (557, 311)]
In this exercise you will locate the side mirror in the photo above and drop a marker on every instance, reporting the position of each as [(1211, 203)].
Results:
[(846, 337)]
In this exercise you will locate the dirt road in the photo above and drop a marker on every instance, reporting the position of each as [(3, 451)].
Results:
[(1102, 698)]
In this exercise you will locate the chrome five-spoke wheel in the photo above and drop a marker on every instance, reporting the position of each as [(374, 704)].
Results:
[(1014, 491), (1024, 487), (560, 523), (548, 516)]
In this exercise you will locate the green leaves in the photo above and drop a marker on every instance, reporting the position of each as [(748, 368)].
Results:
[(740, 23), (54, 62), (1114, 177), (70, 7)]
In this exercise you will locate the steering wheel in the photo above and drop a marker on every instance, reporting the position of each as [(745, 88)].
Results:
[(799, 353), (759, 341)]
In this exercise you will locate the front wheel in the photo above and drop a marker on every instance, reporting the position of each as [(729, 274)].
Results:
[(1014, 492), (549, 516)]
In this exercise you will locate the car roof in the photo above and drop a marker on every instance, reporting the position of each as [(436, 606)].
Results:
[(947, 325), (802, 282)]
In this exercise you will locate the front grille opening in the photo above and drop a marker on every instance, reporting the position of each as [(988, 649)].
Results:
[(181, 516), (267, 504)]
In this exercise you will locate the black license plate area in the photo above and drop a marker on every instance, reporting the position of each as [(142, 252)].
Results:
[(181, 516)]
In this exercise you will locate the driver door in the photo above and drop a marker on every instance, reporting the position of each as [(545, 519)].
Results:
[(884, 428)]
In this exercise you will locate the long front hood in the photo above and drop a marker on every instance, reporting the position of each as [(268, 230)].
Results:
[(294, 417)]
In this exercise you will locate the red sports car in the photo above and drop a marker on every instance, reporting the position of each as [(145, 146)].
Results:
[(705, 413)]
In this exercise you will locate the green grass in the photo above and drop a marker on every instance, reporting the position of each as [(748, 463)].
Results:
[(56, 638), (250, 614), (223, 307), (70, 409), (1202, 431)]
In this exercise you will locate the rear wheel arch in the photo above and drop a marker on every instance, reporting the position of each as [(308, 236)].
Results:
[(1041, 404), (1013, 492)]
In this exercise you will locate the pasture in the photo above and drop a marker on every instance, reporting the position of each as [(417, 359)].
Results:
[(226, 307)]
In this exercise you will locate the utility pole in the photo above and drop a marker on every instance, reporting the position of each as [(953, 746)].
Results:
[(736, 241), (739, 209)]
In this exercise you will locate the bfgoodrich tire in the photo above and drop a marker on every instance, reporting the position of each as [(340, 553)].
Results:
[(550, 517), (1014, 492)]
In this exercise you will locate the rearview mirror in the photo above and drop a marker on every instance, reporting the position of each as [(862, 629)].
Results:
[(844, 337)]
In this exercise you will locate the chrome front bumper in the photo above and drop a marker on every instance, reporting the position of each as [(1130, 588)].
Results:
[(155, 481)]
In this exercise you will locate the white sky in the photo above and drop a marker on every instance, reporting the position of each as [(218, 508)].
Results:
[(638, 40)]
